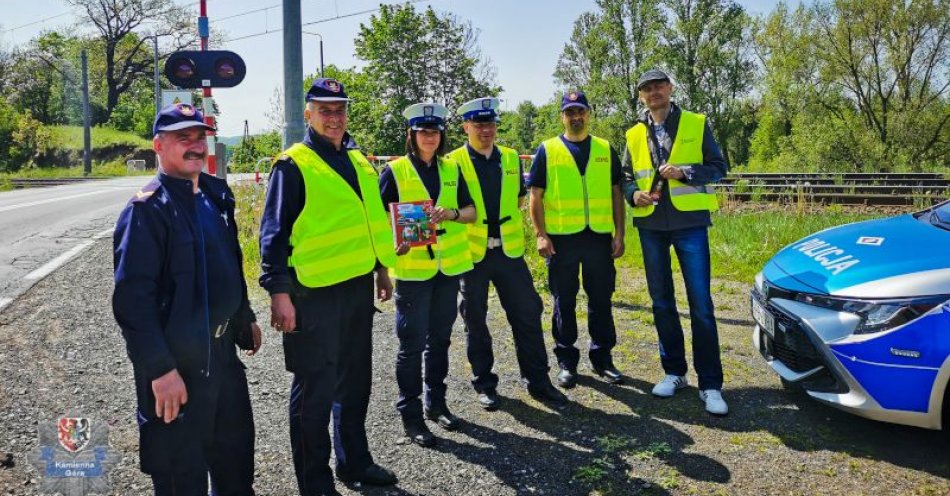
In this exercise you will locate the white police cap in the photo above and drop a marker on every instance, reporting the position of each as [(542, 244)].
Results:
[(426, 115), (480, 109)]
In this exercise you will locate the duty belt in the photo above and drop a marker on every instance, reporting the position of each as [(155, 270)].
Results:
[(493, 243), (219, 330)]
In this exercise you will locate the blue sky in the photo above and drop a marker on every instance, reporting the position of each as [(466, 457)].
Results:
[(523, 39)]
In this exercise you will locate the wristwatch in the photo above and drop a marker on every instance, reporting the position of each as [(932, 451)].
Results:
[(457, 214)]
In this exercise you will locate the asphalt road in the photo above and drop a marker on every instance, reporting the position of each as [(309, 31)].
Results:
[(42, 228)]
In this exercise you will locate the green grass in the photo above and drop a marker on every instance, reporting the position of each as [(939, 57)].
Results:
[(114, 168), (70, 138)]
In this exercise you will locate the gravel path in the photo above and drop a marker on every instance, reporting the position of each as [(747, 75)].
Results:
[(60, 351)]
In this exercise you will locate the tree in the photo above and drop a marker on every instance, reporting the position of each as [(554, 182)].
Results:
[(608, 51), (517, 129), (126, 41), (708, 51), (890, 61), (413, 57)]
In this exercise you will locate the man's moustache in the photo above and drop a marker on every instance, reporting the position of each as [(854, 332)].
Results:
[(190, 156)]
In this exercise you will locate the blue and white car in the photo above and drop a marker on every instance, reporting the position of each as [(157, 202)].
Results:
[(859, 317)]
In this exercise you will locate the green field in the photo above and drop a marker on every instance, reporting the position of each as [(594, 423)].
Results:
[(70, 138)]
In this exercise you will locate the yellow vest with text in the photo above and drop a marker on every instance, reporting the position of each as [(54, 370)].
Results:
[(687, 149), (512, 229), (337, 236), (450, 254), (573, 202)]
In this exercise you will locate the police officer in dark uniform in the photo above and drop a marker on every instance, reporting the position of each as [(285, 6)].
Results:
[(181, 302), (497, 241), (324, 233), (427, 277), (578, 214)]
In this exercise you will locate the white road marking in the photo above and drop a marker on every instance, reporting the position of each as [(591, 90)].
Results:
[(53, 200), (57, 262)]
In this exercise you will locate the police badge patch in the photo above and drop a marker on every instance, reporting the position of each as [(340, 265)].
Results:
[(428, 110), (333, 85), (486, 103), (73, 433), (186, 110), (572, 96), (73, 456)]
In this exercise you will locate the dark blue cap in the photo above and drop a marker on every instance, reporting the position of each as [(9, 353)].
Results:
[(574, 98), (178, 116), (327, 90)]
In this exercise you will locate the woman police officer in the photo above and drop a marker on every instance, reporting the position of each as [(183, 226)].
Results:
[(427, 277)]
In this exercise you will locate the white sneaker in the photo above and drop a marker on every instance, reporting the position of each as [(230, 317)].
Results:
[(669, 385), (714, 402)]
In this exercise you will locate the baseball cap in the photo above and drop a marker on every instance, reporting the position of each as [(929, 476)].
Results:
[(574, 98), (327, 90), (178, 116), (652, 75)]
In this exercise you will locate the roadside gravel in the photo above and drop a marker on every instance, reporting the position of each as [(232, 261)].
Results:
[(60, 351)]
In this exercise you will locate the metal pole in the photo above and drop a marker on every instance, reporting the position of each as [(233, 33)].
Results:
[(158, 84), (321, 56), (86, 131), (203, 32), (293, 74)]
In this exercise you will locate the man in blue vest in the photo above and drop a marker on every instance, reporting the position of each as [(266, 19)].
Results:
[(670, 159), (578, 215), (496, 238), (181, 302), (327, 327)]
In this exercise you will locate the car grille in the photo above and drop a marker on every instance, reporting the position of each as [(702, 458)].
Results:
[(795, 350)]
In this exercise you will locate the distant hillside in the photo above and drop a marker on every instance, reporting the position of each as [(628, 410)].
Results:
[(108, 145)]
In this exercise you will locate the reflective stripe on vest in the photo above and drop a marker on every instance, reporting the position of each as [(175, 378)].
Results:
[(337, 236), (512, 230), (450, 254), (687, 149), (572, 201)]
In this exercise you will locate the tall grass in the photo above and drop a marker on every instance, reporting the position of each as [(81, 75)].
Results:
[(71, 138)]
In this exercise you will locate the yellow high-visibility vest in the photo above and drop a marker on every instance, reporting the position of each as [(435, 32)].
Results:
[(573, 202), (687, 149), (450, 255), (512, 229), (338, 236)]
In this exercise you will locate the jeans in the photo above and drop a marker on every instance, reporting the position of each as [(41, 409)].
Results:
[(692, 251)]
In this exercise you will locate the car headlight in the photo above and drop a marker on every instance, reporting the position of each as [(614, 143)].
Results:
[(880, 315), (760, 283)]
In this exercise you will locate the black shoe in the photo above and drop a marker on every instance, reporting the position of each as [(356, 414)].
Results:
[(444, 418), (420, 434), (567, 379), (373, 475), (549, 394), (488, 400), (610, 374)]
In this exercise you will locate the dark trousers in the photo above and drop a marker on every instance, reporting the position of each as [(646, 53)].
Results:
[(692, 250), (217, 420), (425, 313), (523, 308), (330, 355), (588, 253)]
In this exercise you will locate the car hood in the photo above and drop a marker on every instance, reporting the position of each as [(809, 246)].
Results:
[(887, 258)]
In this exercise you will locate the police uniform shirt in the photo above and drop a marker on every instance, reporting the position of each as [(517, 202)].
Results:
[(580, 150), (430, 179), (285, 199), (221, 263), (488, 170)]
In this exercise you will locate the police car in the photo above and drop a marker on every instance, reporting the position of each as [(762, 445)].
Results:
[(859, 317)]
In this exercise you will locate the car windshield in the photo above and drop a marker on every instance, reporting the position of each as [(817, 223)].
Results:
[(940, 216)]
